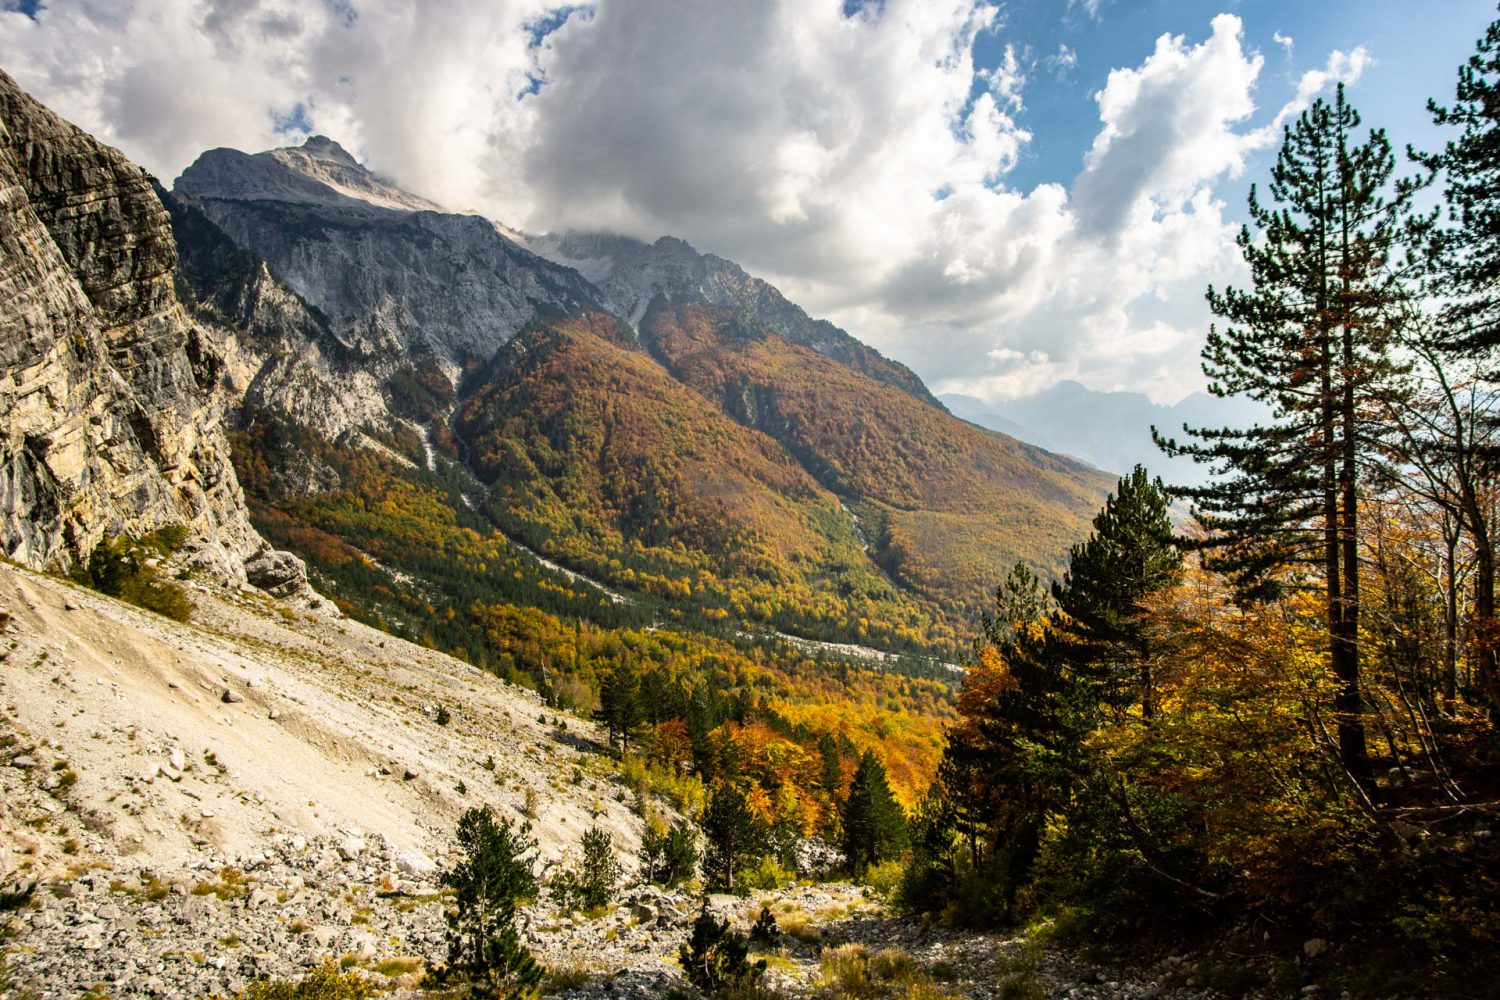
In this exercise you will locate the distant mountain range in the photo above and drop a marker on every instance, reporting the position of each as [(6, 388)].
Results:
[(1109, 430)]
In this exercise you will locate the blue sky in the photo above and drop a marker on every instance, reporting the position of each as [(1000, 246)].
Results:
[(1416, 48), (932, 175)]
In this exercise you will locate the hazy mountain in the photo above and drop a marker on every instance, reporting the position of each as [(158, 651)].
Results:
[(1110, 430)]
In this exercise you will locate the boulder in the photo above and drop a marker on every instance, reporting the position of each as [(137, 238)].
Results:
[(279, 574)]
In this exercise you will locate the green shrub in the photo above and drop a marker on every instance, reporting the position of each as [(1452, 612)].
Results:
[(122, 567), (716, 959), (767, 874), (591, 884), (884, 880), (325, 983)]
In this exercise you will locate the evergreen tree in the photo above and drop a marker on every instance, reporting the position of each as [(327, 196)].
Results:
[(733, 837), (1131, 553), (591, 884), (668, 856), (620, 708), (1311, 340), (1466, 252), (874, 825), (716, 959), (1464, 270), (491, 878)]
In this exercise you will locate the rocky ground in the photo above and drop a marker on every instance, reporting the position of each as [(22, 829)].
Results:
[(184, 808), (301, 903)]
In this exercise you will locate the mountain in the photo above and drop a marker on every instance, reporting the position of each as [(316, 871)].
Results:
[(938, 500), (396, 281), (543, 394), (632, 274), (1110, 430), (109, 411)]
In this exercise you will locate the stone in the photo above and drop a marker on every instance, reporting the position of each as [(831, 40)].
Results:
[(178, 759), (279, 574), (1314, 947), (351, 847), (231, 697), (23, 762), (415, 864)]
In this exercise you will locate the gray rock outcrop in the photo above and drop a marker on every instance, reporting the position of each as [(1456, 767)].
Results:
[(109, 410)]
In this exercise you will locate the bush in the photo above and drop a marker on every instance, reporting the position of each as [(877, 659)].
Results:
[(123, 567), (884, 880), (592, 883), (765, 931), (767, 873), (716, 958), (494, 875), (325, 983), (669, 857)]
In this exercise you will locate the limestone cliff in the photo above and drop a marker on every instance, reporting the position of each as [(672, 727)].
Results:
[(109, 414)]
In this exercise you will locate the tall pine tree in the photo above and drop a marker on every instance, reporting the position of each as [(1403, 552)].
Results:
[(1311, 340), (1464, 270)]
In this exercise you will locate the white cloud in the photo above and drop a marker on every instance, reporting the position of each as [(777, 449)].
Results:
[(1063, 62), (1285, 41), (858, 161)]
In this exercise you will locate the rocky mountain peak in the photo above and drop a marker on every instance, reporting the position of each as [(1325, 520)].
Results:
[(320, 173), (323, 148)]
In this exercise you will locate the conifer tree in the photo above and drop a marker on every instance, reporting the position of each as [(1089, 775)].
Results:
[(492, 877), (1464, 271), (733, 836), (1310, 340), (620, 707), (1130, 554), (874, 825), (1466, 253)]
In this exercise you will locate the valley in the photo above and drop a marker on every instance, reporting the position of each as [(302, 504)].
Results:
[(399, 598)]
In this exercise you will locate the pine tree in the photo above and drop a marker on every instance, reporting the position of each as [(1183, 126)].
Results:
[(668, 856), (620, 707), (733, 836), (591, 884), (1311, 340), (1130, 554), (1466, 253), (492, 877), (1464, 272), (716, 959), (874, 825)]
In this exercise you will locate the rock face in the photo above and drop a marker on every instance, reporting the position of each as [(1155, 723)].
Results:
[(394, 281), (109, 418)]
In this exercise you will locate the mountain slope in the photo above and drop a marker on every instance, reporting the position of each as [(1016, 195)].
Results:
[(941, 500), (632, 274), (109, 419), (599, 457)]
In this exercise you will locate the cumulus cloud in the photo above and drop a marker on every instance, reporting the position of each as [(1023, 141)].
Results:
[(855, 155)]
